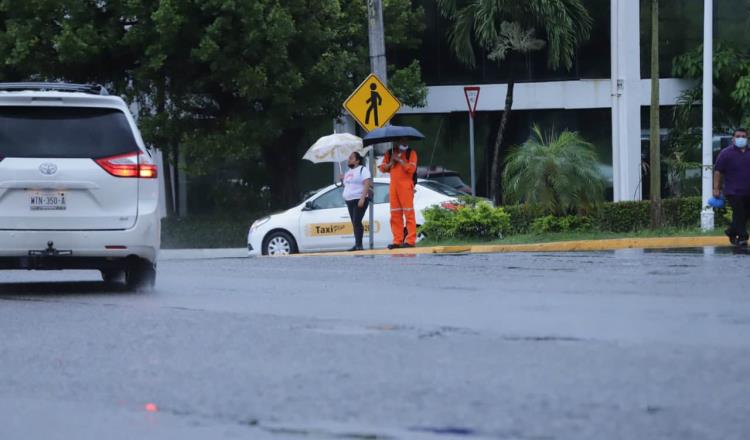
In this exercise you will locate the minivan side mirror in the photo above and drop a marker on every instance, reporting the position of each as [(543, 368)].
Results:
[(309, 206)]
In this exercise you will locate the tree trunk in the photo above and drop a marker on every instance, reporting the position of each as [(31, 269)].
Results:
[(655, 142), (495, 193), (282, 161), (174, 147)]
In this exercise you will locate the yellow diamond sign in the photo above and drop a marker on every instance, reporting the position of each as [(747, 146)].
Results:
[(372, 104)]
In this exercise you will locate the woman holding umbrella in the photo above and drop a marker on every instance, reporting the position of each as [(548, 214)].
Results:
[(357, 182)]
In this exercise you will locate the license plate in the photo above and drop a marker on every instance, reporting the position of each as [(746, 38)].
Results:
[(47, 201)]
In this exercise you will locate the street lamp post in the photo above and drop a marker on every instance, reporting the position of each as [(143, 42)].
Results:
[(707, 213)]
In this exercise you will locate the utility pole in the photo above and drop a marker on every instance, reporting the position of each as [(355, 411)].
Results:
[(655, 144), (378, 66)]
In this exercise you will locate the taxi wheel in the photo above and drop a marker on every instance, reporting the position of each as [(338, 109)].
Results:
[(279, 243)]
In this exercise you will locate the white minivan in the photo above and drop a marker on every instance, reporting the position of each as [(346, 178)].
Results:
[(78, 187)]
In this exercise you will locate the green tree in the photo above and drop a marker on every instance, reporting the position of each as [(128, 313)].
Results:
[(731, 77), (221, 82), (504, 29), (558, 173)]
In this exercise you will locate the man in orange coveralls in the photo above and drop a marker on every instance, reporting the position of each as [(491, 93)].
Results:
[(401, 162)]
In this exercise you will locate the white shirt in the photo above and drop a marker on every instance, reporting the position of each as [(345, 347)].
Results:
[(354, 182)]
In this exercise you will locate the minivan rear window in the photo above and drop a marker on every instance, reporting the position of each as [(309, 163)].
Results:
[(64, 132)]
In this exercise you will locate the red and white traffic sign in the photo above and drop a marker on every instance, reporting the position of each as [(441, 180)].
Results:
[(472, 97)]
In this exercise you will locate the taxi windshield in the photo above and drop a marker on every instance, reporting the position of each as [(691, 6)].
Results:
[(441, 188)]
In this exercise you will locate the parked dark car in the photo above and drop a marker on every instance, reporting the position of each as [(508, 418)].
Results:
[(444, 176)]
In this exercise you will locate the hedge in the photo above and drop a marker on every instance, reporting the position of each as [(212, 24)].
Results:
[(613, 217), (522, 217)]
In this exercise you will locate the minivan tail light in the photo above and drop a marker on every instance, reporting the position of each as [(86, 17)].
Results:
[(136, 165)]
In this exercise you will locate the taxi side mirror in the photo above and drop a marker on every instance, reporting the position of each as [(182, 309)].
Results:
[(309, 206)]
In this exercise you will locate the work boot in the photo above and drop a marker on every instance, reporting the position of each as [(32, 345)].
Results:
[(407, 245), (394, 246)]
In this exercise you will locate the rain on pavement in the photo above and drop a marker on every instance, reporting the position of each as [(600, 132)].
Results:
[(611, 345)]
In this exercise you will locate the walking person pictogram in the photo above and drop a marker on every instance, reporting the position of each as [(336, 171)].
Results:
[(375, 101)]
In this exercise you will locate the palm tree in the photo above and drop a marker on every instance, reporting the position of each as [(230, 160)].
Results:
[(559, 173), (504, 29)]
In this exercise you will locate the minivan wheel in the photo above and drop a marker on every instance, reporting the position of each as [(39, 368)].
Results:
[(110, 276), (140, 274)]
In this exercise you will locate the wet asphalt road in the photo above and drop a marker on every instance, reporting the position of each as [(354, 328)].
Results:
[(613, 345)]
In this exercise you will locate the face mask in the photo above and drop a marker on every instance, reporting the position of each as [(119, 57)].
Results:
[(740, 142), (403, 147), (352, 165)]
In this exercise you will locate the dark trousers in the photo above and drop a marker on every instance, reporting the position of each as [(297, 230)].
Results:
[(740, 210), (357, 214)]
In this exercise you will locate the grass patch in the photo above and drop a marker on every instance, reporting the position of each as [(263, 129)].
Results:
[(576, 236)]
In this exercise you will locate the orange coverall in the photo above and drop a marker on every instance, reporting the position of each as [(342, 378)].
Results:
[(402, 196)]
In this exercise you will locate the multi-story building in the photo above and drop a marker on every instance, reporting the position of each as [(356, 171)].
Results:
[(605, 96)]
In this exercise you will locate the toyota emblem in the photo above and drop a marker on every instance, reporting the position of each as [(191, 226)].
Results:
[(48, 169)]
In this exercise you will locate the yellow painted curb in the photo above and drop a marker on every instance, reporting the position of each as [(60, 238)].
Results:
[(560, 246), (605, 245)]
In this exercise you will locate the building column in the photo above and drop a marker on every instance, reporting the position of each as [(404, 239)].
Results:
[(626, 106)]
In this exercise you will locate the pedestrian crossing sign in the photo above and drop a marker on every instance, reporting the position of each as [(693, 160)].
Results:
[(372, 105)]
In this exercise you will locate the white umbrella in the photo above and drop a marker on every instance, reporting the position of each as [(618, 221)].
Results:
[(336, 147)]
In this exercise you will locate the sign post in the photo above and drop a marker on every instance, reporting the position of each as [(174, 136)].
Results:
[(372, 105), (472, 97)]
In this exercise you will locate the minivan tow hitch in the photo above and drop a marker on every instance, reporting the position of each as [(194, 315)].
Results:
[(50, 251)]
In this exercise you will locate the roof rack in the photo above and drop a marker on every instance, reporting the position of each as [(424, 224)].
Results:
[(93, 89)]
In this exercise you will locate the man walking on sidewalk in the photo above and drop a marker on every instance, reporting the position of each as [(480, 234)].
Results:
[(733, 167)]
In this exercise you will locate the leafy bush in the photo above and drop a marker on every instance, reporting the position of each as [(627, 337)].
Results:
[(611, 217), (569, 223), (623, 216), (558, 172), (682, 213), (469, 218), (522, 217)]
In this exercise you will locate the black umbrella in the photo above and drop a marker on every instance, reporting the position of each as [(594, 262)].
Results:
[(392, 133)]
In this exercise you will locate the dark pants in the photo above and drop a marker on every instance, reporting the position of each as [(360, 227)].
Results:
[(357, 214), (740, 210)]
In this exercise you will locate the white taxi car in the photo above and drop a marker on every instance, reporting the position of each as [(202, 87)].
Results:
[(321, 223)]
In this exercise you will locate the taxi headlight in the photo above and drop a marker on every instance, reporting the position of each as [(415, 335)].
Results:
[(258, 223)]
